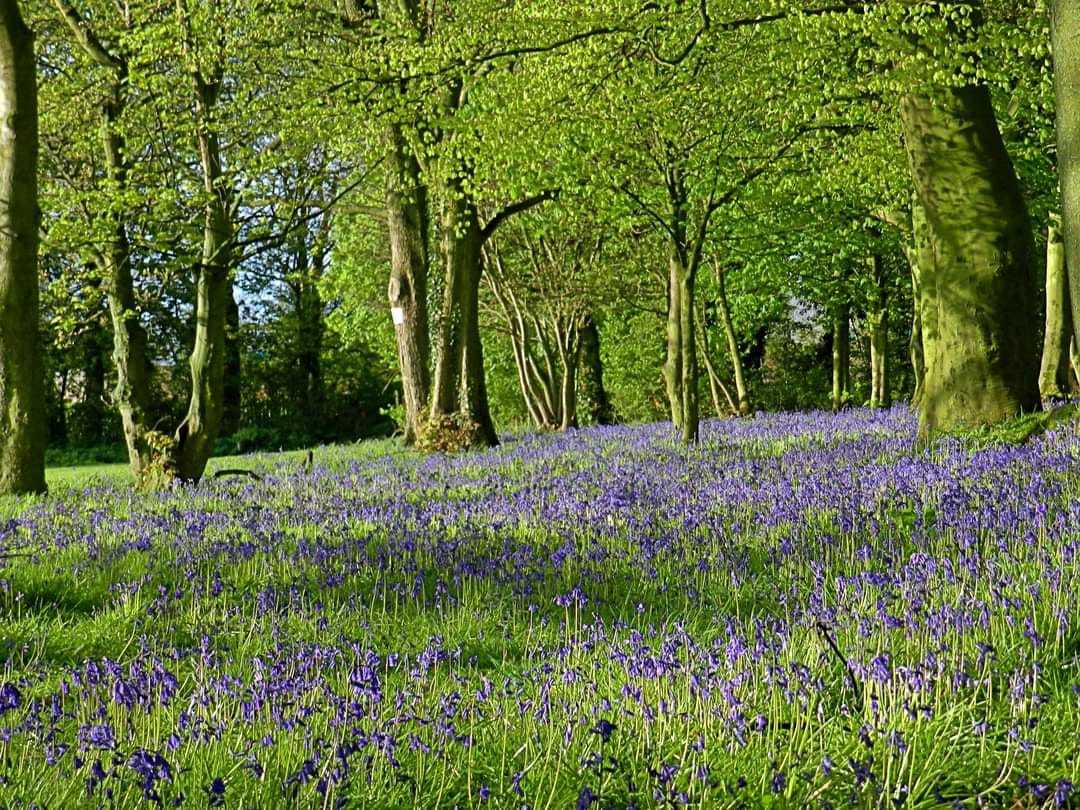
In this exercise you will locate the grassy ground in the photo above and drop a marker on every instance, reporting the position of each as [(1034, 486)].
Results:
[(803, 612)]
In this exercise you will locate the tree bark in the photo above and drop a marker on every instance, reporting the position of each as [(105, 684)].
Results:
[(688, 351), (915, 342), (93, 415), (131, 394), (592, 374), (459, 384), (195, 437), (1065, 40), (878, 322), (978, 297), (23, 417), (841, 353), (1054, 380), (233, 384), (407, 218), (741, 391), (569, 342), (673, 374)]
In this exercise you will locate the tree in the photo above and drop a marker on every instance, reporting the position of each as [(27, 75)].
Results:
[(541, 283), (688, 149), (164, 84), (23, 427), (975, 261), (1065, 36), (1054, 381)]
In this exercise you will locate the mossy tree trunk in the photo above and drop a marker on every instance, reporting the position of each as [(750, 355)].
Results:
[(684, 257), (1065, 39), (1054, 380), (23, 416), (978, 284), (459, 386), (131, 394), (194, 438)]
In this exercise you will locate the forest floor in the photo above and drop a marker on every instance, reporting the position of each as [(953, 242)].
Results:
[(804, 611)]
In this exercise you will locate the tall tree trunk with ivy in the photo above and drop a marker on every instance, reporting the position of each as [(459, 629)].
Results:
[(459, 387), (978, 283), (23, 417)]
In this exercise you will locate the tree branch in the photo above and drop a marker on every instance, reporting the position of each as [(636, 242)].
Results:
[(86, 37), (515, 208)]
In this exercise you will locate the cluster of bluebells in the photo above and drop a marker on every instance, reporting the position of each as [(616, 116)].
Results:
[(804, 610)]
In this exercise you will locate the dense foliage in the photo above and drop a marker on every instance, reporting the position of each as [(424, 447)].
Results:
[(606, 156)]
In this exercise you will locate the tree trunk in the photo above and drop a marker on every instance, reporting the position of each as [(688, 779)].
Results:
[(1054, 380), (92, 422), (310, 338), (131, 395), (569, 354), (978, 297), (196, 435), (23, 418), (673, 373), (841, 353), (716, 385), (878, 322), (915, 342), (688, 350), (407, 218), (741, 391), (1074, 361), (592, 374), (233, 383), (1065, 39), (459, 384)]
